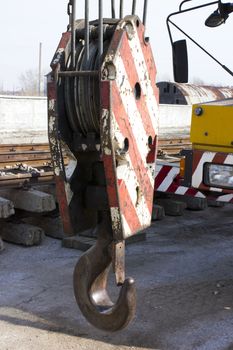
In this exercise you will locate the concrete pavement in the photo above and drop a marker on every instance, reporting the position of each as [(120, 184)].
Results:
[(184, 276)]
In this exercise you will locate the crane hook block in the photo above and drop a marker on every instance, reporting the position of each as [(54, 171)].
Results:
[(103, 108)]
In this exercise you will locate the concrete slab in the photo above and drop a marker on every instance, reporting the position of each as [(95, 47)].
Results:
[(158, 212), (171, 207), (184, 279), (52, 226), (19, 233), (216, 204), (30, 200), (193, 203), (6, 208)]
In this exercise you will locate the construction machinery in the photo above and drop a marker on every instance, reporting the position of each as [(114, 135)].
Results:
[(205, 170), (103, 105)]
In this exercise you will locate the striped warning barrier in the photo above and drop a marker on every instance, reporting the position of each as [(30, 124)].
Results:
[(168, 180)]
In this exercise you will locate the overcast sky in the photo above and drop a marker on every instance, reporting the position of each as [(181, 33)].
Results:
[(26, 23)]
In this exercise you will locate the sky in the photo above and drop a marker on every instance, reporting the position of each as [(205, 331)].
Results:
[(26, 23)]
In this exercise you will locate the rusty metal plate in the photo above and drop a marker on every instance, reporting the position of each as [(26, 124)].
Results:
[(129, 127)]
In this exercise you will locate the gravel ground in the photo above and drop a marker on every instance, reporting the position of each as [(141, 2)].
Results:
[(184, 276)]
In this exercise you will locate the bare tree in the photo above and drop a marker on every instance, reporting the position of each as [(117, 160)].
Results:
[(197, 81), (29, 82)]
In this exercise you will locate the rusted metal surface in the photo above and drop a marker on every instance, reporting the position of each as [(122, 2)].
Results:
[(178, 93), (90, 285), (63, 191), (118, 261)]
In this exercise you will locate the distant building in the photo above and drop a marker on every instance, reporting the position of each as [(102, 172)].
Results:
[(185, 94)]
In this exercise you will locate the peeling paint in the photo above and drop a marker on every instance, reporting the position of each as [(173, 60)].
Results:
[(84, 147), (69, 193)]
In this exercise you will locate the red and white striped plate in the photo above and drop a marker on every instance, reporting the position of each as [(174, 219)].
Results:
[(129, 127)]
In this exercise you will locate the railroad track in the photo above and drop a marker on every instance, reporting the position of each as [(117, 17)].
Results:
[(173, 146), (25, 164)]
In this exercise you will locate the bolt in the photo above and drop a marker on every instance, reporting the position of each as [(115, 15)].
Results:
[(198, 111), (109, 71), (206, 133), (130, 31)]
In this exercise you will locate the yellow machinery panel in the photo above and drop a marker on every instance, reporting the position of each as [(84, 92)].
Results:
[(212, 126)]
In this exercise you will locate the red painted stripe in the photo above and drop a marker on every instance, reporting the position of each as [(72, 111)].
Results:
[(64, 40), (62, 45), (105, 94), (164, 171), (133, 78), (110, 181), (63, 205), (116, 41), (197, 155), (134, 154), (127, 209), (52, 93), (152, 155), (172, 188), (150, 63), (219, 158), (174, 185), (191, 192)]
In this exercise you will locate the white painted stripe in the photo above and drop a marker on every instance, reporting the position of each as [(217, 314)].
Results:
[(197, 176), (168, 179), (127, 231), (157, 169), (229, 159), (147, 90), (134, 117), (225, 198), (118, 143), (181, 190), (200, 195), (126, 173), (215, 189), (115, 215)]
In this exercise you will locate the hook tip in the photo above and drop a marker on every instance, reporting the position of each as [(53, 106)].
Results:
[(129, 281)]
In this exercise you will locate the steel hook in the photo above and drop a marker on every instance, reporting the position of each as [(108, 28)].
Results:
[(90, 283)]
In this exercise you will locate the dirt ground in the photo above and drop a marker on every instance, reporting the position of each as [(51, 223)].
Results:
[(184, 276)]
